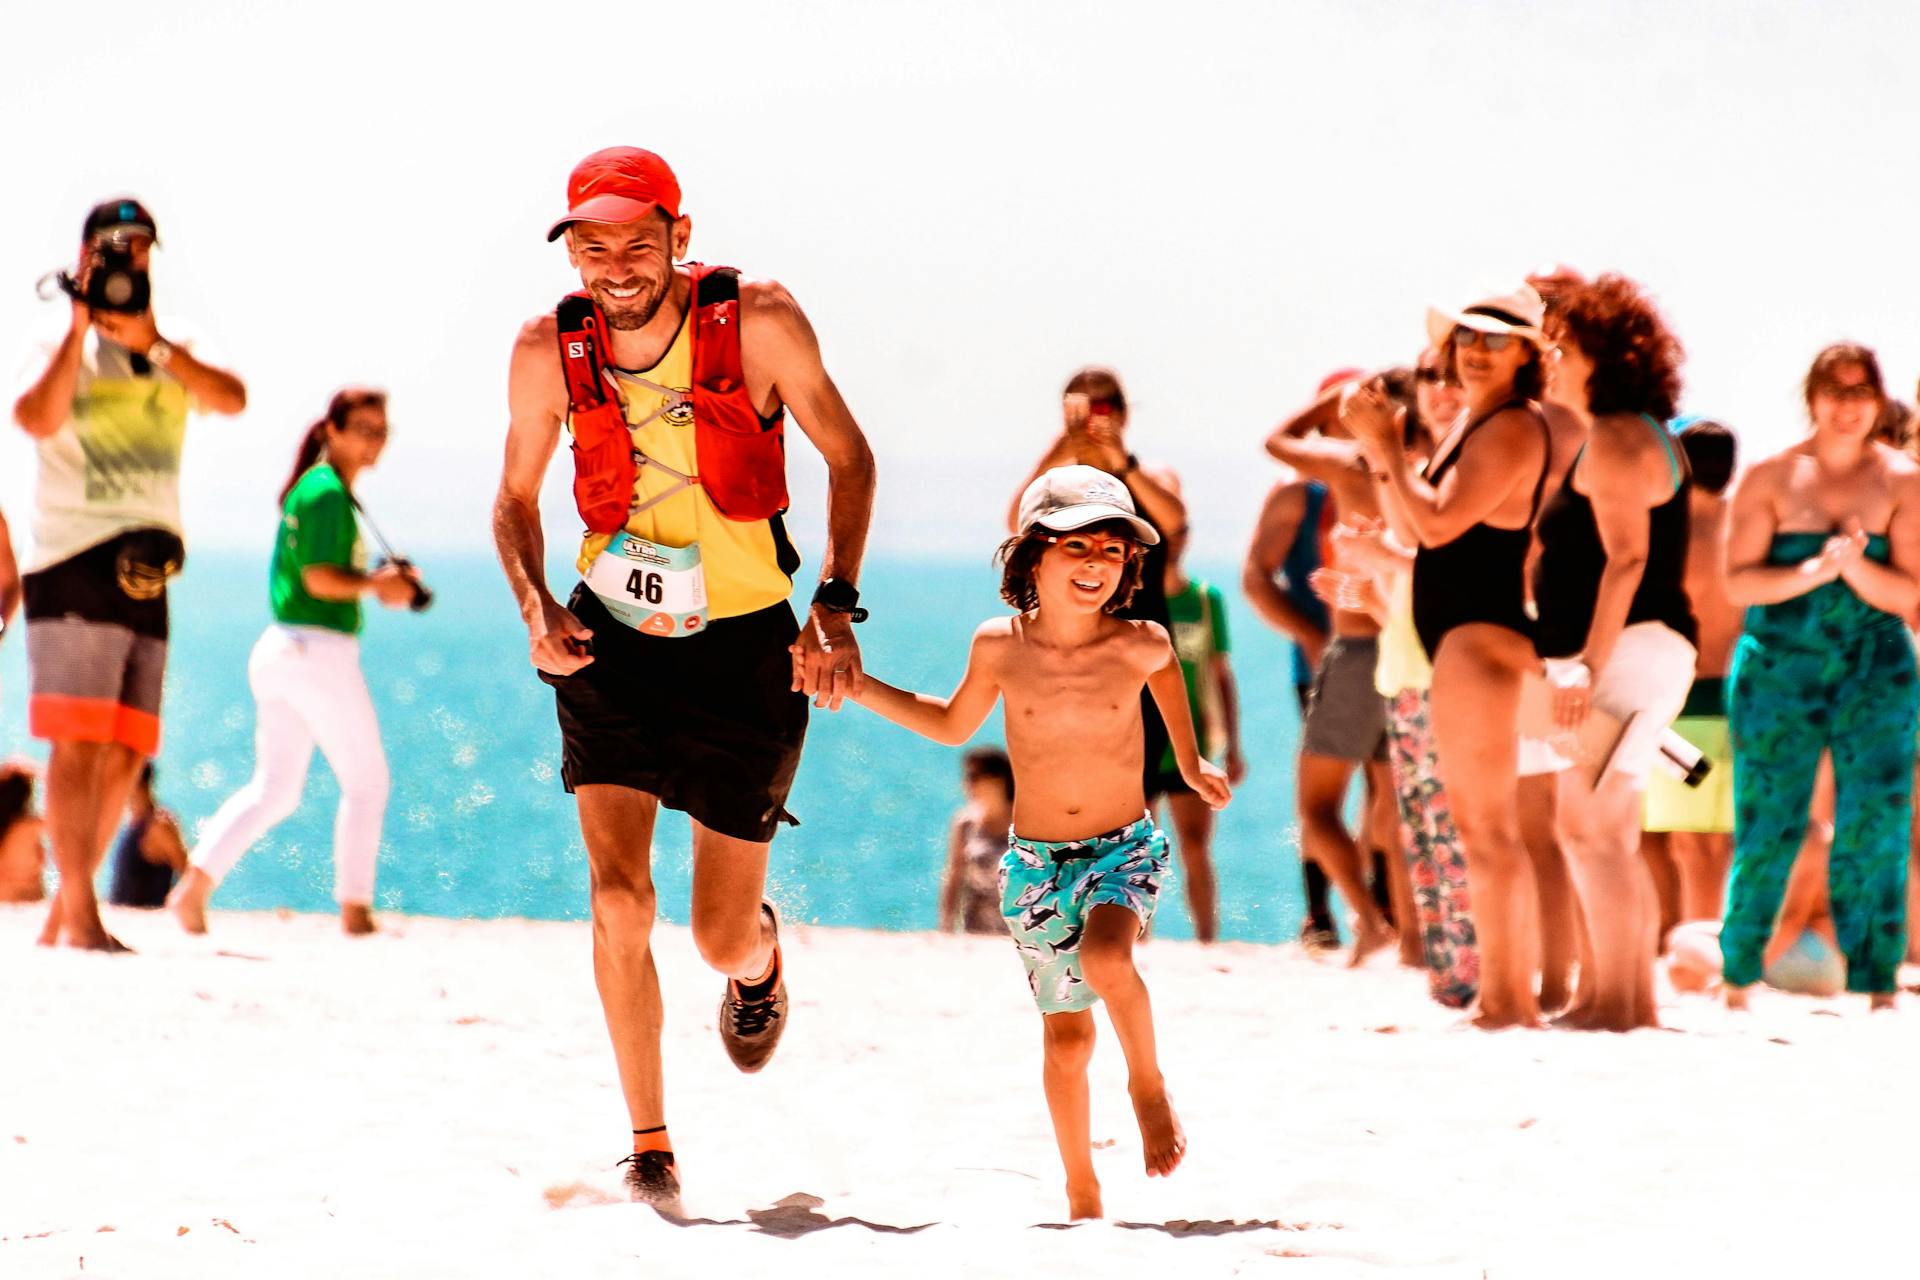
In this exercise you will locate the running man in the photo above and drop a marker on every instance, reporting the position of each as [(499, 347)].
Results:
[(670, 662), (1083, 873)]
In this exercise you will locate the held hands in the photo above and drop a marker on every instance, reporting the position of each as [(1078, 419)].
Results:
[(560, 645), (1572, 685), (826, 659), (1209, 783)]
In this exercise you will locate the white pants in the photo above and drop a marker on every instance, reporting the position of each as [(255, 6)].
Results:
[(308, 691)]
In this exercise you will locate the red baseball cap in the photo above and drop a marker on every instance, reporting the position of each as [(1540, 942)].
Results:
[(619, 184)]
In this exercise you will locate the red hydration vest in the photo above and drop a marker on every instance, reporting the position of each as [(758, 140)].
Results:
[(742, 457)]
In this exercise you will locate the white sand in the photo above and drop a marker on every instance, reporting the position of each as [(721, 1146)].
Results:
[(276, 1100)]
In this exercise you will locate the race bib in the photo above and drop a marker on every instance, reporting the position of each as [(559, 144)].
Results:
[(656, 590)]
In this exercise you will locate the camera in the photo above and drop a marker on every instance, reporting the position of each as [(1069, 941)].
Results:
[(422, 593), (113, 282)]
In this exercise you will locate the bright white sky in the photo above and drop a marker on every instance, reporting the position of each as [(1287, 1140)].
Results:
[(970, 200)]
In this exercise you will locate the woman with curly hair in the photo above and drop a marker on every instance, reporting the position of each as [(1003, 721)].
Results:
[(1823, 546), (1615, 628)]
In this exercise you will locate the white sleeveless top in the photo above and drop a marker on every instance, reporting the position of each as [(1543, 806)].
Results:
[(114, 465)]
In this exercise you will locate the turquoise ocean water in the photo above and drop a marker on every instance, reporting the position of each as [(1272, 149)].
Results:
[(479, 825)]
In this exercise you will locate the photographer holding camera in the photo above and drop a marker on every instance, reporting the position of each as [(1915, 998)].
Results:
[(108, 412), (305, 671)]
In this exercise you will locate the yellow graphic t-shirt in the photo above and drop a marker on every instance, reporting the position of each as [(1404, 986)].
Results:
[(115, 464), (740, 558)]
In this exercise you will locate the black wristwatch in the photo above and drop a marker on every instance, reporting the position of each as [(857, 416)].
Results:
[(837, 595), (1133, 465)]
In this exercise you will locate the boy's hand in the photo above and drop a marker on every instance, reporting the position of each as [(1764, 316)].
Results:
[(1210, 784)]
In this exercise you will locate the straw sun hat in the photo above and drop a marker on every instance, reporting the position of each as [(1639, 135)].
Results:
[(1519, 312)]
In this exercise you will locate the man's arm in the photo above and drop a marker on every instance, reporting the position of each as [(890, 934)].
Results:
[(215, 390), (1280, 519), (44, 407), (536, 403), (778, 346)]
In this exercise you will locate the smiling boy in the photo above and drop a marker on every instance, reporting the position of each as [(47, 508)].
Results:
[(1083, 873)]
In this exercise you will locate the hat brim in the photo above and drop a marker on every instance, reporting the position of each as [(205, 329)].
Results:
[(1067, 519), (607, 208), (1441, 324)]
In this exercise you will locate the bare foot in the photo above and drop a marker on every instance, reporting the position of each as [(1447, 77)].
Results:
[(97, 939), (1555, 996), (1489, 1020), (1084, 1202), (1162, 1141), (188, 901), (1601, 1017), (1368, 937), (1737, 998), (357, 919), (1881, 1000)]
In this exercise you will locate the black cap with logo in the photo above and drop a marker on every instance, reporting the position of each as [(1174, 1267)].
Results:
[(123, 214)]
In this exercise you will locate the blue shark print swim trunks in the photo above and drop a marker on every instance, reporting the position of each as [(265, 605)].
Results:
[(1048, 887)]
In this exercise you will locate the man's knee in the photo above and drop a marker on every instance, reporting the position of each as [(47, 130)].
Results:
[(623, 909), (728, 943)]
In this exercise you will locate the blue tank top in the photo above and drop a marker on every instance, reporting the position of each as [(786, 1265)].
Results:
[(1303, 557), (1824, 616)]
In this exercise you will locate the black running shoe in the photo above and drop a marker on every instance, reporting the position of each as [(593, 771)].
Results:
[(752, 1017), (651, 1179)]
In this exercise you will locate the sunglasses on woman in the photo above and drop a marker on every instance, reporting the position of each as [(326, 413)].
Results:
[(1849, 391), (1425, 374), (1464, 337)]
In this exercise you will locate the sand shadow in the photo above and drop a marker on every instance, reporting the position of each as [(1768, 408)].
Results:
[(790, 1218), (1183, 1227)]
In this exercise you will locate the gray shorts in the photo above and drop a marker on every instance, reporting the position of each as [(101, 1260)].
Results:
[(1346, 716)]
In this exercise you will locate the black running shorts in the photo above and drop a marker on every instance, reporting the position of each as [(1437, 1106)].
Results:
[(708, 723)]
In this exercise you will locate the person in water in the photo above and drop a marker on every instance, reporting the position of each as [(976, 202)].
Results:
[(1823, 546), (1086, 862)]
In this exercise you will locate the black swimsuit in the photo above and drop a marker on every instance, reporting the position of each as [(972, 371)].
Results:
[(1481, 576), (1566, 578)]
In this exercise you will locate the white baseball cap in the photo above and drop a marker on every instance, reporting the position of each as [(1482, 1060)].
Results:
[(1068, 498)]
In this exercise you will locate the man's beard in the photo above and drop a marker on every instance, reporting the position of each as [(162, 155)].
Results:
[(634, 312)]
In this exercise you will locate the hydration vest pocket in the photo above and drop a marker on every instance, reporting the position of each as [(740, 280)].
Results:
[(603, 468)]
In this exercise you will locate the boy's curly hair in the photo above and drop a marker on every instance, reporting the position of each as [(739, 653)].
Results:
[(1020, 554)]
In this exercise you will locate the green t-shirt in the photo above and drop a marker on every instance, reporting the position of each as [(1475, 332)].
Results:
[(316, 527), (1197, 623)]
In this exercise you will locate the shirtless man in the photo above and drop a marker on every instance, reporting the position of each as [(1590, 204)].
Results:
[(671, 663)]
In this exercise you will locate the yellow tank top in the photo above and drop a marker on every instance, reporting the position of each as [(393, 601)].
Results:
[(1403, 660), (741, 558)]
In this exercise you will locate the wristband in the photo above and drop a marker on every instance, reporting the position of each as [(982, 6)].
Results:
[(837, 595)]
